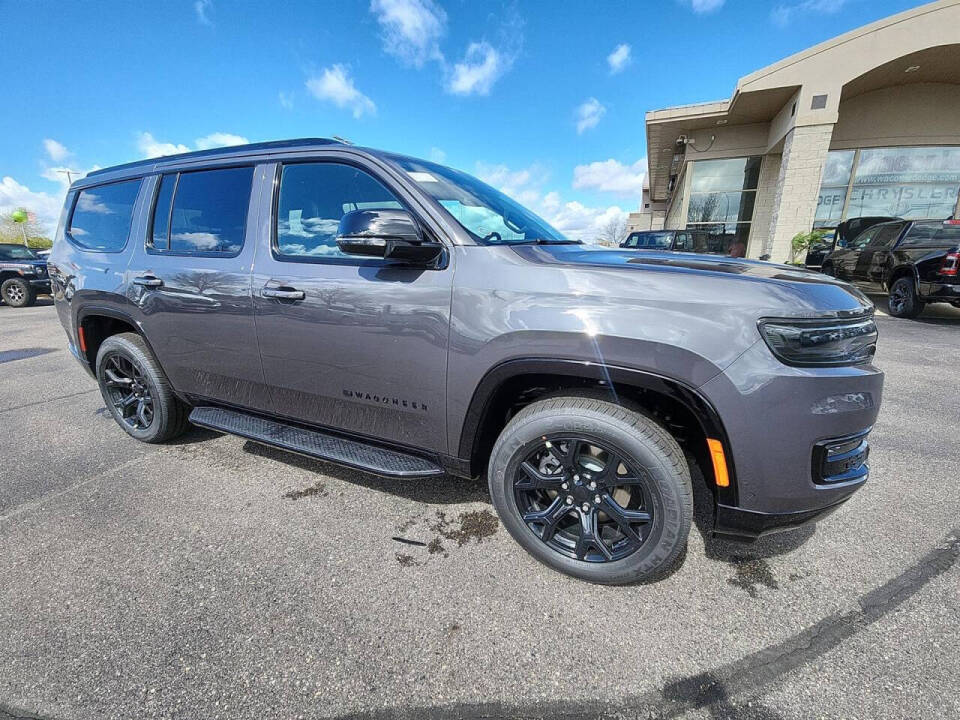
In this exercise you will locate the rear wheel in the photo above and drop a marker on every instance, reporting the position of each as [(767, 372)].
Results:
[(592, 489), (17, 292), (903, 301), (136, 391)]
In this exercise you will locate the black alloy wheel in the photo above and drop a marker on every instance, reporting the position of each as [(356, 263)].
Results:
[(902, 300), (583, 498), (129, 391)]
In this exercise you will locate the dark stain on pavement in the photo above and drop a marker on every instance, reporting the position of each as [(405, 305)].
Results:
[(475, 525), (751, 573), (22, 354), (315, 490), (406, 560)]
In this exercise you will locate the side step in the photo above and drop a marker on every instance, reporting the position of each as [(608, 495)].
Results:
[(370, 458)]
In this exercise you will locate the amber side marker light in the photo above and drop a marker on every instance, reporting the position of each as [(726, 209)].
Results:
[(719, 462), (82, 341)]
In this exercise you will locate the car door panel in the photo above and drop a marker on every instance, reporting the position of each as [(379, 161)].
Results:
[(196, 309), (361, 344)]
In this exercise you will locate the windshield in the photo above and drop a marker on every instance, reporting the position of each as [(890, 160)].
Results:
[(487, 214), (16, 252), (649, 240)]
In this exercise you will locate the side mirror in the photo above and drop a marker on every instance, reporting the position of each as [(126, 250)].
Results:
[(388, 234)]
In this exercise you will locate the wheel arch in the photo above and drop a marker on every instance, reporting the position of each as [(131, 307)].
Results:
[(904, 270), (514, 383), (98, 323)]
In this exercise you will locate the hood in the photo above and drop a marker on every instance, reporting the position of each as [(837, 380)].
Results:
[(824, 291)]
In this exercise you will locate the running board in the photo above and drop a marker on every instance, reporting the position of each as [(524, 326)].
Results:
[(315, 444)]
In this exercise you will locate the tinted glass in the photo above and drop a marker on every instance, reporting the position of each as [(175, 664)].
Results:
[(101, 218), (732, 174), (861, 240), (721, 207), (210, 211), (932, 234), (160, 224), (16, 252), (313, 198), (649, 240), (886, 236)]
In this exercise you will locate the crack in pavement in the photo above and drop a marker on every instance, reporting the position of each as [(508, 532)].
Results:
[(713, 690), (49, 400)]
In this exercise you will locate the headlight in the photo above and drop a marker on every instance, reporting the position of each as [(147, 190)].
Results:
[(26, 270), (818, 343)]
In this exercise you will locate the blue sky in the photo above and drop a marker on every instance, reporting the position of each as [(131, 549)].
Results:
[(544, 99)]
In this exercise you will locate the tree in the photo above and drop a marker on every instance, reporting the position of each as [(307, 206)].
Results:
[(12, 232), (801, 242), (613, 232)]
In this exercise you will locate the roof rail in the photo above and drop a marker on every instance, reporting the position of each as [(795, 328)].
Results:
[(228, 150)]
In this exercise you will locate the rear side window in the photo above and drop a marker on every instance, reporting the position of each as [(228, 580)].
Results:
[(932, 235), (202, 213), (886, 236), (102, 215)]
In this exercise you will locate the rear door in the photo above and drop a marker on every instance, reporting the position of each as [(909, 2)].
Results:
[(875, 257), (846, 261), (190, 280)]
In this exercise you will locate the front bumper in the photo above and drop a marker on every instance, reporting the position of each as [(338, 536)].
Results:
[(749, 525), (940, 292), (797, 440)]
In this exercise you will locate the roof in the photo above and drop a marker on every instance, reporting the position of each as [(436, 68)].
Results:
[(151, 164)]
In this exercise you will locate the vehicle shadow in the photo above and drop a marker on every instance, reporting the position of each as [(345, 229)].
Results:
[(445, 490)]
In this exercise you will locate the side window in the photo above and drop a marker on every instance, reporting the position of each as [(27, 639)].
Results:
[(102, 216), (863, 239), (631, 241), (313, 198), (202, 212), (931, 235), (886, 236)]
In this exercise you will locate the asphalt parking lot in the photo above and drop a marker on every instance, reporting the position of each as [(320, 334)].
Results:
[(214, 578)]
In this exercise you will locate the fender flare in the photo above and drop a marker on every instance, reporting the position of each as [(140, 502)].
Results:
[(684, 393)]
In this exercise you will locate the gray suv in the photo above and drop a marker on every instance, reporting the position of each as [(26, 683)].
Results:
[(402, 318)]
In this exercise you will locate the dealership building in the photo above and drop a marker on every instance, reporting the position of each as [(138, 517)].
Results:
[(867, 123)]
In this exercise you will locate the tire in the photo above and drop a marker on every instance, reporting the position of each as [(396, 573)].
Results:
[(902, 301), (656, 483), (130, 378), (17, 292)]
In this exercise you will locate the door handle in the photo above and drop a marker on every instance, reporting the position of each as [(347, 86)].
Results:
[(148, 281), (283, 293)]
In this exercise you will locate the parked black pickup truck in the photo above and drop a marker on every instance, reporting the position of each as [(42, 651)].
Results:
[(916, 262)]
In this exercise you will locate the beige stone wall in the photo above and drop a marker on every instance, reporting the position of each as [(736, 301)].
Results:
[(763, 207), (798, 184)]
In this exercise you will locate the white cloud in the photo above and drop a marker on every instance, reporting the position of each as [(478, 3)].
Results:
[(202, 8), (335, 85), (220, 139), (589, 114), (56, 151), (437, 155), (704, 6), (45, 206), (411, 29), (784, 13), (619, 58), (572, 218), (611, 176), (150, 147), (286, 100), (481, 67)]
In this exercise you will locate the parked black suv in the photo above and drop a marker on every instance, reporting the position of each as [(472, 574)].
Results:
[(697, 241), (839, 237), (23, 275), (403, 318), (916, 262)]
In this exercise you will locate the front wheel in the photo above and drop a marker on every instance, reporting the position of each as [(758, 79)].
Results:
[(17, 292), (903, 301), (592, 489), (136, 391)]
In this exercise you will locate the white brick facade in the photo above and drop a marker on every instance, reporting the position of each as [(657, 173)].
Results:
[(798, 185)]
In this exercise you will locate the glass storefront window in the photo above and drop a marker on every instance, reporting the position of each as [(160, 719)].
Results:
[(722, 196), (915, 183)]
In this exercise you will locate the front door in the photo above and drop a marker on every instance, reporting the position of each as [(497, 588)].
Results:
[(189, 280), (352, 343)]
